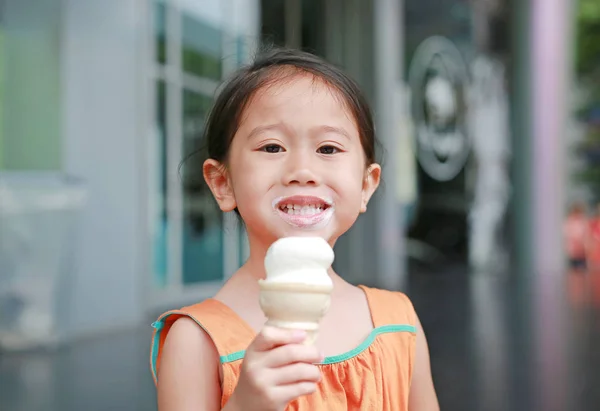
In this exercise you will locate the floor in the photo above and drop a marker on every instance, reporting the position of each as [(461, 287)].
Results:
[(495, 343), (501, 344)]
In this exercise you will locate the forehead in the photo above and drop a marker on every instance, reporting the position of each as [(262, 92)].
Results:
[(298, 96)]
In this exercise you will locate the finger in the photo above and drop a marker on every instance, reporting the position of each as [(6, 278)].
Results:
[(271, 337), (295, 373), (292, 353), (290, 392)]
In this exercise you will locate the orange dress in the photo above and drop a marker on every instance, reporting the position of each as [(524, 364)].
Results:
[(376, 375)]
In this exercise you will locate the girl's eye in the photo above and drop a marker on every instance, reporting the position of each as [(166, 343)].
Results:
[(328, 150), (272, 148)]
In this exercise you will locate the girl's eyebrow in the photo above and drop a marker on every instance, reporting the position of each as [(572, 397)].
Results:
[(323, 129), (330, 129), (268, 127)]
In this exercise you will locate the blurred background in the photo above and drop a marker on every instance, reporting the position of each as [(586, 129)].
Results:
[(489, 115)]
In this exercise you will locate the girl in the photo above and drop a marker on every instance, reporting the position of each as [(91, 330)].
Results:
[(292, 135), (593, 246), (576, 237)]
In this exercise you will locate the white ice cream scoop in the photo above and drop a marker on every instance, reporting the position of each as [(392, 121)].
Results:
[(297, 290), (302, 260)]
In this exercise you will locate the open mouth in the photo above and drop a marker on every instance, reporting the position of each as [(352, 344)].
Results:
[(304, 211)]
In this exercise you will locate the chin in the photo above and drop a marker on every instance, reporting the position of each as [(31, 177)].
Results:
[(295, 233), (273, 227)]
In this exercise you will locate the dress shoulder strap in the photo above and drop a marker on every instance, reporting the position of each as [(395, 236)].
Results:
[(390, 307), (229, 333)]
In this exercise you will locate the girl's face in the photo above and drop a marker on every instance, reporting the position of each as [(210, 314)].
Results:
[(296, 165)]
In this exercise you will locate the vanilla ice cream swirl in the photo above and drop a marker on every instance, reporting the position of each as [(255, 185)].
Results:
[(299, 260)]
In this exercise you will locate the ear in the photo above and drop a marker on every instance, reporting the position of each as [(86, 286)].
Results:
[(370, 184), (217, 178)]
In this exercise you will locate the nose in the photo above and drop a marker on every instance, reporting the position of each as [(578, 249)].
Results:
[(300, 171)]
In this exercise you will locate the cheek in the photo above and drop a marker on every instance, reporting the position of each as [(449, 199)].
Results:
[(348, 186), (249, 185), (350, 178)]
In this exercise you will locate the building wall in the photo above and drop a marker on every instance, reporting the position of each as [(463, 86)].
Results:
[(102, 77)]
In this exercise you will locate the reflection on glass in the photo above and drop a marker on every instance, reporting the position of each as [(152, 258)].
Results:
[(160, 25), (159, 156), (201, 48), (202, 219)]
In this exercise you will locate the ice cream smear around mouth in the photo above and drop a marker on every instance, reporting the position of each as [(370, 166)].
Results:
[(299, 260), (306, 212)]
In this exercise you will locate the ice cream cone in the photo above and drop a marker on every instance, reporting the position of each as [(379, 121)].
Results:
[(296, 292), (295, 306)]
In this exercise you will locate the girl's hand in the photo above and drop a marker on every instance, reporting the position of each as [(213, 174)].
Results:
[(277, 368)]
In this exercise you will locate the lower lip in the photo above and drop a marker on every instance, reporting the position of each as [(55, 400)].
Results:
[(307, 222)]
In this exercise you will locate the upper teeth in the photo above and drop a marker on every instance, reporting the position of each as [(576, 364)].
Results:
[(295, 209)]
